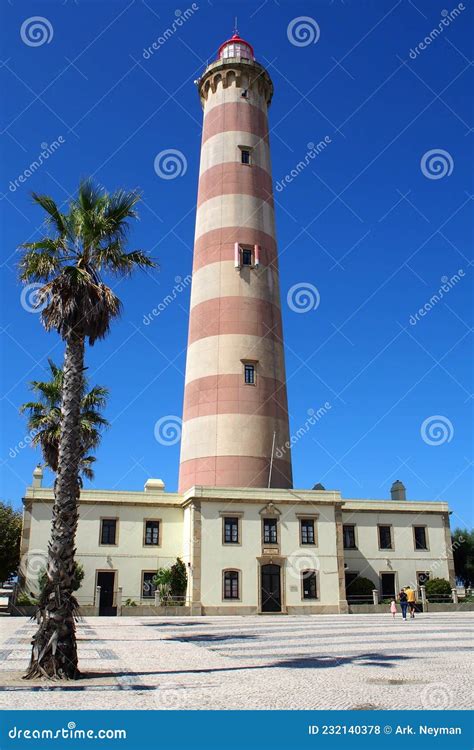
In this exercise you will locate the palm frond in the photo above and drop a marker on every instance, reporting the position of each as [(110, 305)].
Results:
[(56, 218), (38, 263), (44, 417), (116, 261), (88, 239)]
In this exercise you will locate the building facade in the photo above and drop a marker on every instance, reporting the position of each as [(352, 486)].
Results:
[(246, 550), (250, 542)]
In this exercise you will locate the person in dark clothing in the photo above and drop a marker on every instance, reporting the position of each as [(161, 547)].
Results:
[(403, 599)]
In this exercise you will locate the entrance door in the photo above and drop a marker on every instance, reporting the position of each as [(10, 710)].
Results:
[(106, 581), (271, 588), (388, 585)]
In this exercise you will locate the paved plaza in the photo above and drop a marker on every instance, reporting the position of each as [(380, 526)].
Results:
[(266, 662)]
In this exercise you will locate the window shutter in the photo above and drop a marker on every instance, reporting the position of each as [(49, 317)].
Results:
[(256, 255), (236, 256)]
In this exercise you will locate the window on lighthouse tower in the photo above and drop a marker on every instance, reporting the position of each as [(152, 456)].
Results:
[(246, 257), (249, 374)]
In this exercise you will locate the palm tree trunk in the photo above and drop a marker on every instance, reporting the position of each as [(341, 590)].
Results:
[(54, 652)]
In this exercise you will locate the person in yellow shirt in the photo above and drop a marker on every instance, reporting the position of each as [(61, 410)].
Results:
[(411, 598)]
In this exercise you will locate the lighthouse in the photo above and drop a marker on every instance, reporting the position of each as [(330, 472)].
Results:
[(235, 429)]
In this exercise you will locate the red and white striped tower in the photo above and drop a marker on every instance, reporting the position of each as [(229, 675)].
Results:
[(235, 420)]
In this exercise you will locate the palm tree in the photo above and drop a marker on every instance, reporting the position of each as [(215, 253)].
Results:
[(78, 246), (44, 418)]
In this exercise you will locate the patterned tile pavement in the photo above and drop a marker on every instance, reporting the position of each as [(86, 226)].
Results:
[(311, 662)]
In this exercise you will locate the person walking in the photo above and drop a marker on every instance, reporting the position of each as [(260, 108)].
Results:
[(393, 608), (411, 598), (402, 597)]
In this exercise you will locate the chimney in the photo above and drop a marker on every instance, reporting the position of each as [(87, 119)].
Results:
[(38, 476), (154, 485), (398, 491)]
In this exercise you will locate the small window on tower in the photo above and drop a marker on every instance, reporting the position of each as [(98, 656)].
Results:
[(249, 373), (246, 257), (245, 156)]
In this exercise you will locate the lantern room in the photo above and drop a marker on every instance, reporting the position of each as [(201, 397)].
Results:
[(235, 47)]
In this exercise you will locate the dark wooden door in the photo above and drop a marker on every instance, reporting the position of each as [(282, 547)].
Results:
[(271, 588), (106, 581), (388, 585)]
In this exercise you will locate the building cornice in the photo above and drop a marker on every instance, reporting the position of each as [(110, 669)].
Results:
[(240, 495), (389, 506)]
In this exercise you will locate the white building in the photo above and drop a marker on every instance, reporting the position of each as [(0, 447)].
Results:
[(247, 551)]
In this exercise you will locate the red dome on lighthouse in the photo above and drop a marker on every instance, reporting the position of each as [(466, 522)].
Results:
[(236, 47)]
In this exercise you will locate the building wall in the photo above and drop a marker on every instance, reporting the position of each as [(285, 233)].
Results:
[(129, 557), (403, 559), (247, 556)]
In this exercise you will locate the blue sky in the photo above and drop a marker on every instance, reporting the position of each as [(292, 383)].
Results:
[(369, 223)]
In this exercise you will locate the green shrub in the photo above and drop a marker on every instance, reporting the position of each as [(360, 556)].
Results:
[(438, 590), (23, 600), (171, 583), (162, 581), (361, 587), (76, 581), (129, 603), (179, 580)]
